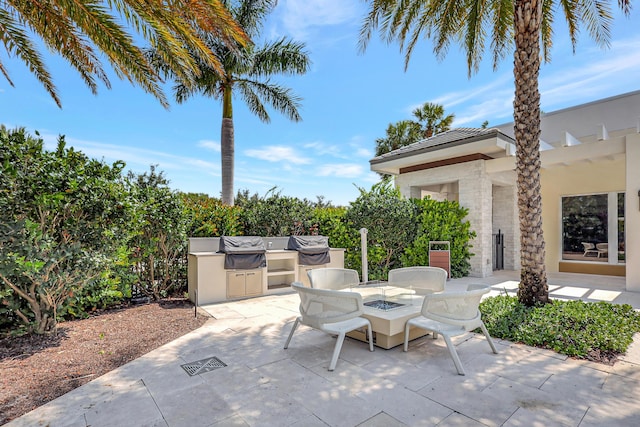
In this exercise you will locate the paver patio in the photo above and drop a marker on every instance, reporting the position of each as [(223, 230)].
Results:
[(265, 385)]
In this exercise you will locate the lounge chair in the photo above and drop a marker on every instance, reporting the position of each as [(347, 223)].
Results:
[(602, 249), (333, 278), (451, 314), (589, 248), (423, 280), (332, 311)]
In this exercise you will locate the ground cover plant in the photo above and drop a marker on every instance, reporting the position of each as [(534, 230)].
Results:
[(598, 331)]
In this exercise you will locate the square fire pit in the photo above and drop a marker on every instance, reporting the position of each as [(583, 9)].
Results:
[(383, 305)]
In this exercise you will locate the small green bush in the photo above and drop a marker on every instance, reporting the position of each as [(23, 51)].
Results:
[(586, 330), (209, 217), (275, 215), (391, 223), (441, 220)]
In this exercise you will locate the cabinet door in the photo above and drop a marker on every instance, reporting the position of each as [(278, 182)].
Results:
[(253, 283), (235, 284), (304, 269)]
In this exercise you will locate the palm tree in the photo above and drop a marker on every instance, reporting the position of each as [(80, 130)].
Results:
[(520, 25), (246, 72), (403, 133), (431, 117), (77, 29)]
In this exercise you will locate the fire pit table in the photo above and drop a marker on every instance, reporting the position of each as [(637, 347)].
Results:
[(388, 308)]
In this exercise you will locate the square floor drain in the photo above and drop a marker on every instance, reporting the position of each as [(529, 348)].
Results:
[(202, 366)]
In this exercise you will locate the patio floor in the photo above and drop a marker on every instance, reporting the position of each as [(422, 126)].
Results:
[(265, 385)]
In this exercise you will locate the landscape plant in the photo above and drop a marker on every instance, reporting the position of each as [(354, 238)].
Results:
[(61, 217), (245, 72), (390, 220), (209, 217), (588, 330), (275, 215), (437, 221), (78, 31), (159, 239), (524, 28), (333, 223)]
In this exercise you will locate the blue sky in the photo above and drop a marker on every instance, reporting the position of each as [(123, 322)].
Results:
[(349, 99)]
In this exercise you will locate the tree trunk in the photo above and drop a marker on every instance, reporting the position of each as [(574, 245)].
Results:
[(526, 114), (227, 148)]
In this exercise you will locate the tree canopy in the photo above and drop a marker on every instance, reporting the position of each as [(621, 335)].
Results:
[(79, 30)]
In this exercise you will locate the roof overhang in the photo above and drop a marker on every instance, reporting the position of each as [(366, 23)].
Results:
[(490, 145)]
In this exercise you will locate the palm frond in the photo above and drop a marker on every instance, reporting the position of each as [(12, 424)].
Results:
[(546, 30), (280, 98), (76, 28), (597, 17), (250, 14), (280, 57), (371, 22), (17, 42)]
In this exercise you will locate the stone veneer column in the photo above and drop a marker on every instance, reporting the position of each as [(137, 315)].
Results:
[(632, 213), (475, 193)]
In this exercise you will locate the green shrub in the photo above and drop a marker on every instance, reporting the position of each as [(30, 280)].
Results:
[(159, 241), (275, 215), (209, 217), (391, 223), (591, 330), (441, 220), (332, 222), (62, 216)]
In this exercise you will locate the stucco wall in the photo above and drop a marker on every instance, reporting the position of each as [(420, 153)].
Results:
[(575, 179), (632, 213)]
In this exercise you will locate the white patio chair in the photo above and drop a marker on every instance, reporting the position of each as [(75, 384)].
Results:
[(602, 249), (423, 280), (333, 278), (589, 248), (451, 314), (331, 311)]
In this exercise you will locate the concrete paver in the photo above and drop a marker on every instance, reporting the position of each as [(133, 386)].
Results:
[(265, 385)]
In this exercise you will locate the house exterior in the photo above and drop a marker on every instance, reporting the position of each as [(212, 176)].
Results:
[(590, 187)]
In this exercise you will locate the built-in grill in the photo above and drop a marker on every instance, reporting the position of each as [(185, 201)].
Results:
[(312, 250), (243, 252)]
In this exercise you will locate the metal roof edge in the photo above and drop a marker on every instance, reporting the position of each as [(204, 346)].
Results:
[(489, 133)]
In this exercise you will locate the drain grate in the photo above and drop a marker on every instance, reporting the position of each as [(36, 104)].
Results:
[(202, 366)]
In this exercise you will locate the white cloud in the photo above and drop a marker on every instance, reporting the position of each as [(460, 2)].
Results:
[(209, 145), (319, 148), (278, 153), (345, 170), (363, 152), (500, 106), (593, 73), (452, 99), (301, 17), (137, 159), (589, 75)]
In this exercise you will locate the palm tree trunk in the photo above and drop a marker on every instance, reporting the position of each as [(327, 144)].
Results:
[(227, 148), (526, 105)]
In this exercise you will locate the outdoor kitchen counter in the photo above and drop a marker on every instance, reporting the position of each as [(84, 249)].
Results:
[(208, 280)]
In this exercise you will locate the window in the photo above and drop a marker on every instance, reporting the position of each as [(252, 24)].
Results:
[(593, 228)]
